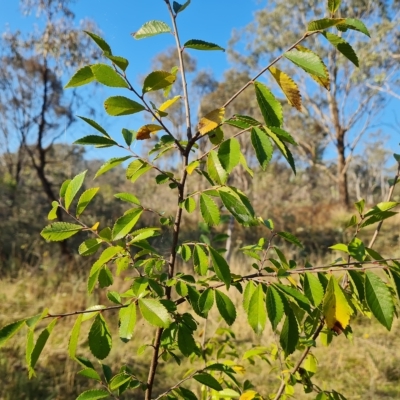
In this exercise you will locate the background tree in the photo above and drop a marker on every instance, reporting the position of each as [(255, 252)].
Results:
[(35, 112), (331, 115)]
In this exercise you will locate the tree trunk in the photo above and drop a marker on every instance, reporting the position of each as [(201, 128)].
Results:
[(342, 172)]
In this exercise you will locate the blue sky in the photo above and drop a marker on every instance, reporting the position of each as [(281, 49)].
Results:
[(208, 20)]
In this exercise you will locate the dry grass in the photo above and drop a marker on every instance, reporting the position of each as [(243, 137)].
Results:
[(366, 368)]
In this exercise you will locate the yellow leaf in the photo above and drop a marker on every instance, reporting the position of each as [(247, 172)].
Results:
[(211, 120), (95, 226), (325, 82), (336, 308), (248, 395), (192, 166), (239, 369), (145, 130), (168, 103), (288, 86)]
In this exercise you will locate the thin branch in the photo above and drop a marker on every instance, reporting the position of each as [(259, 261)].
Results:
[(62, 315), (306, 35), (178, 384), (183, 74), (218, 145)]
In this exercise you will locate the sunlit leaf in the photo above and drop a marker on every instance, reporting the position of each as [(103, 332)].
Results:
[(257, 315), (107, 75), (120, 105), (99, 41), (151, 28), (209, 210), (127, 322), (211, 120), (146, 130), (308, 61), (157, 80), (81, 77), (60, 231), (262, 147), (221, 267), (288, 86), (343, 47), (324, 23), (111, 163), (270, 107), (336, 308), (154, 312), (379, 299), (125, 224), (225, 307)]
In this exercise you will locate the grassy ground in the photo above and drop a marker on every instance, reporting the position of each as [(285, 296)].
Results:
[(368, 367)]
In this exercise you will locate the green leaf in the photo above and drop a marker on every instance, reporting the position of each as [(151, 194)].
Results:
[(186, 343), (342, 46), (63, 188), (248, 293), (340, 247), (90, 373), (206, 301), (151, 28), (200, 260), (157, 80), (290, 238), (271, 108), (301, 300), (73, 188), (313, 289), (89, 247), (120, 105), (308, 61), (384, 206), (209, 210), (95, 140), (179, 7), (229, 154), (107, 75), (333, 5), (100, 42), (85, 198), (202, 45), (378, 217), (95, 125), (112, 163), (127, 322), (58, 231), (100, 341), (354, 24), (379, 299), (81, 77), (275, 306), (208, 380), (136, 169), (73, 339), (93, 394), (215, 168), (154, 312), (119, 380), (282, 148), (128, 197), (125, 224), (186, 253), (225, 307), (221, 267), (356, 249), (262, 147), (283, 135), (257, 315), (128, 135), (290, 333), (120, 62), (40, 343), (53, 212), (324, 23), (238, 205), (8, 331), (189, 204)]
